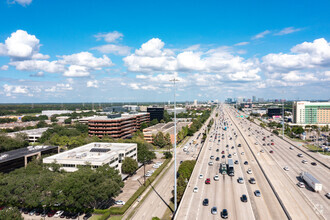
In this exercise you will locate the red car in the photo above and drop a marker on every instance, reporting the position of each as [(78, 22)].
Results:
[(208, 181), (272, 143), (222, 152), (271, 151), (51, 213)]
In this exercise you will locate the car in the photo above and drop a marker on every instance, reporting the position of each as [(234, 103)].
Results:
[(87, 216), (217, 150), (223, 152), (291, 148), (327, 195), (234, 154), (181, 161), (44, 213), (38, 211), (301, 185), (74, 215), (211, 157), (120, 202), (51, 213), (304, 161), (299, 155), (236, 162), (214, 210), (257, 193), (263, 144), (271, 151), (314, 164), (268, 144), (252, 180), (227, 145), (262, 151), (208, 181), (244, 198), (217, 159), (256, 143), (195, 190), (216, 178), (239, 145), (205, 202), (229, 155), (211, 163), (155, 166), (242, 153), (249, 171), (200, 176), (246, 163), (148, 174), (240, 180), (32, 212), (232, 147), (64, 214), (58, 214), (224, 213), (286, 168), (223, 156)]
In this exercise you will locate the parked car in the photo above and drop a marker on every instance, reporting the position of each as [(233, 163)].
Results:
[(51, 213), (242, 153), (32, 212), (58, 214), (271, 151), (211, 163), (120, 202), (205, 202), (64, 214), (87, 216), (217, 159), (74, 215)]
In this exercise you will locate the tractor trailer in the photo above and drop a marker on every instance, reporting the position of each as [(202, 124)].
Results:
[(311, 181)]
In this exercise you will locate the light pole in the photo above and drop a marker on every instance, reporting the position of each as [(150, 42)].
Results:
[(175, 177), (283, 119)]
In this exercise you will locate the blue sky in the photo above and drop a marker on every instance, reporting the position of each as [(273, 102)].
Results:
[(112, 51)]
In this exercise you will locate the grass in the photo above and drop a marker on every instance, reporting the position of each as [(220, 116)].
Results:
[(168, 213), (316, 149)]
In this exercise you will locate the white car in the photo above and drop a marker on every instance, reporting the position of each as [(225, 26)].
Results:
[(240, 180), (242, 153), (120, 202), (327, 195), (304, 161), (234, 154), (286, 168), (58, 214), (262, 151), (249, 171), (216, 178), (211, 163), (301, 185), (195, 189), (155, 166), (201, 176), (291, 148)]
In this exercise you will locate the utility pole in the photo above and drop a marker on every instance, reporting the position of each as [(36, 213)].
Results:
[(175, 177)]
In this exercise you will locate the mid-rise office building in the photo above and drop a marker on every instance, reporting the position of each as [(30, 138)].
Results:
[(32, 135), (311, 112), (274, 112), (117, 126), (94, 155), (156, 113)]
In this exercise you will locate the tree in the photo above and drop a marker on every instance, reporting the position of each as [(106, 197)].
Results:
[(154, 122), (143, 126), (168, 155), (144, 153), (11, 213), (41, 124), (275, 132), (67, 121), (129, 166), (159, 140)]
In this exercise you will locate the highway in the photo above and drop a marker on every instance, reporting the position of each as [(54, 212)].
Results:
[(280, 196), (156, 203)]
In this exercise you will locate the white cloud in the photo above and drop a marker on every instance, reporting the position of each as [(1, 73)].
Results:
[(109, 37), (112, 48), (93, 83), (21, 46), (76, 71), (85, 59), (38, 74), (261, 35), (242, 43), (42, 65), (288, 30), (21, 2), (10, 89), (4, 67), (152, 48), (3, 50), (64, 86)]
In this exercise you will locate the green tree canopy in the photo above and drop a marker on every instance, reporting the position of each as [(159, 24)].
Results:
[(129, 166)]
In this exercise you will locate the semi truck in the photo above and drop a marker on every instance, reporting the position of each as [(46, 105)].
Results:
[(231, 171), (311, 181)]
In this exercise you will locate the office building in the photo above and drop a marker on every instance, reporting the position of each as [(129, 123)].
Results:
[(149, 132), (156, 113), (117, 126), (178, 110), (254, 99), (195, 102), (32, 135), (50, 113), (261, 100), (305, 112), (115, 109), (94, 155), (18, 158), (271, 112)]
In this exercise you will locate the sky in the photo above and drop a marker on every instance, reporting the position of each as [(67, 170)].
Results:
[(129, 51)]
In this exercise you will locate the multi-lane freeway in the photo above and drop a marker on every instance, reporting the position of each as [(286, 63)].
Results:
[(280, 197)]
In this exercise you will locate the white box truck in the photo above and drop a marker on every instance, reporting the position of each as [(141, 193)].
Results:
[(311, 181)]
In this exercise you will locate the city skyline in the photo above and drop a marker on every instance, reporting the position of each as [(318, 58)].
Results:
[(114, 52)]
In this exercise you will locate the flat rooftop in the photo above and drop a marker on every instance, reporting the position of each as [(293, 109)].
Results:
[(96, 152), (14, 154), (165, 128), (121, 117), (37, 131)]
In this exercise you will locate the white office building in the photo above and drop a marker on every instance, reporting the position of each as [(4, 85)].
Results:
[(94, 154), (32, 135)]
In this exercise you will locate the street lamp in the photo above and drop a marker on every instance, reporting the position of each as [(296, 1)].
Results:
[(175, 177)]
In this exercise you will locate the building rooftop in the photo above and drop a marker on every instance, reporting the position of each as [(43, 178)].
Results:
[(14, 154), (121, 117), (93, 152), (165, 128), (37, 131)]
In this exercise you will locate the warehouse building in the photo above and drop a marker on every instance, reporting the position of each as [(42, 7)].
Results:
[(117, 126), (94, 155), (14, 159)]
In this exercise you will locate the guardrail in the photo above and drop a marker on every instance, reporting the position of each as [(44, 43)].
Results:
[(262, 170)]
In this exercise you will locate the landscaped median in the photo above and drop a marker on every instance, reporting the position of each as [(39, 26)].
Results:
[(121, 210)]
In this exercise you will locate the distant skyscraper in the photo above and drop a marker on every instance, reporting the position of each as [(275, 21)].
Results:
[(254, 99), (260, 99), (195, 102)]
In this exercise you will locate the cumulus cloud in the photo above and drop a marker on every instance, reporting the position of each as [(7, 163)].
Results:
[(38, 74), (76, 71), (109, 37), (10, 89), (4, 67), (261, 35), (92, 83), (288, 30), (242, 43), (112, 48), (86, 59), (21, 2), (42, 65)]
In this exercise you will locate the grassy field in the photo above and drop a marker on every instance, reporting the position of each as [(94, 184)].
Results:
[(168, 213), (316, 149)]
